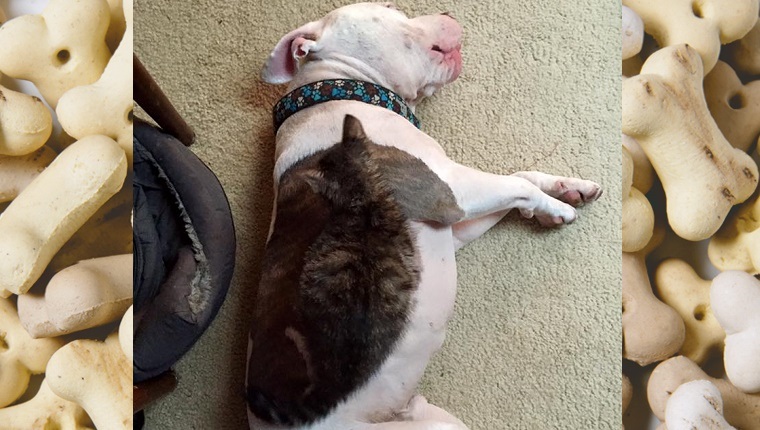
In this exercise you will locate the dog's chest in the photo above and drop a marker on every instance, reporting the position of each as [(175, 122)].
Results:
[(438, 278), (389, 390)]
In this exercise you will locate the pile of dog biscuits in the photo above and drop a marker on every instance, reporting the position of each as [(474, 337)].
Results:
[(65, 210), (690, 123)]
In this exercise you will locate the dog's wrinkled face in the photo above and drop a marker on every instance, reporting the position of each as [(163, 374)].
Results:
[(374, 41)]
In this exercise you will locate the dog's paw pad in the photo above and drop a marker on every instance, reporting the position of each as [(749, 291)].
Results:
[(572, 197), (593, 193), (563, 215), (576, 192)]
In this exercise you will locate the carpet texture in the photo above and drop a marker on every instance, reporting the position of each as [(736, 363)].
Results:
[(535, 340)]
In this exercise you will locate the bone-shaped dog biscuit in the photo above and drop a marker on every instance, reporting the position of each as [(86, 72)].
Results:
[(736, 246), (703, 176), (696, 405), (638, 217), (105, 107), (652, 330), (734, 106), (51, 209), (627, 391), (643, 173), (117, 26), (126, 334), (735, 298), (88, 294), (633, 33), (744, 54), (60, 49), (741, 410), (45, 411), (20, 355), (704, 24), (25, 122), (98, 377), (679, 286), (107, 232), (18, 172)]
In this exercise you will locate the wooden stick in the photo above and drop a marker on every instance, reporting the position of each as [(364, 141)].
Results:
[(149, 96), (153, 389)]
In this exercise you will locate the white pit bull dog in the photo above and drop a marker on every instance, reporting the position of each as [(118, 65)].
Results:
[(359, 275)]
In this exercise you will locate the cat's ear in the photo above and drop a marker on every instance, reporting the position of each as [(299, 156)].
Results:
[(314, 179), (352, 129)]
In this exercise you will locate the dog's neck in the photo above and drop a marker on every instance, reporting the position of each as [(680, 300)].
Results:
[(327, 90), (349, 68)]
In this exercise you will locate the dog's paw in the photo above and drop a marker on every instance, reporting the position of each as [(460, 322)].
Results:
[(576, 192), (556, 214)]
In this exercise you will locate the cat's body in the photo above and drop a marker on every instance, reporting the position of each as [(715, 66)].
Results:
[(342, 284)]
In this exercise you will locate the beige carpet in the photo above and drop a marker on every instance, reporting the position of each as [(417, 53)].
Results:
[(535, 342)]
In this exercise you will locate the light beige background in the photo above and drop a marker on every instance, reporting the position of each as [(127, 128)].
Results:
[(535, 341)]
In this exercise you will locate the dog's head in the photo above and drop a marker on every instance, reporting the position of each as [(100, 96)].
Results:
[(375, 42)]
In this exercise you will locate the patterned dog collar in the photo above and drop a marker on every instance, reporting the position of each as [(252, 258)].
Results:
[(340, 89)]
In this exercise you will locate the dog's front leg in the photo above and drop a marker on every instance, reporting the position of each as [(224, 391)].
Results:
[(486, 198), (569, 190), (479, 194), (471, 229)]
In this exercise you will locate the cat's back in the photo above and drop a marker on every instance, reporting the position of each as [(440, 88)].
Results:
[(336, 290)]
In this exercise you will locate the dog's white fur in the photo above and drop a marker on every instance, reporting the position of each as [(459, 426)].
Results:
[(413, 57)]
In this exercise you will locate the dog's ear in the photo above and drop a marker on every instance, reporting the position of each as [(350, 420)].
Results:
[(352, 129), (281, 64)]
